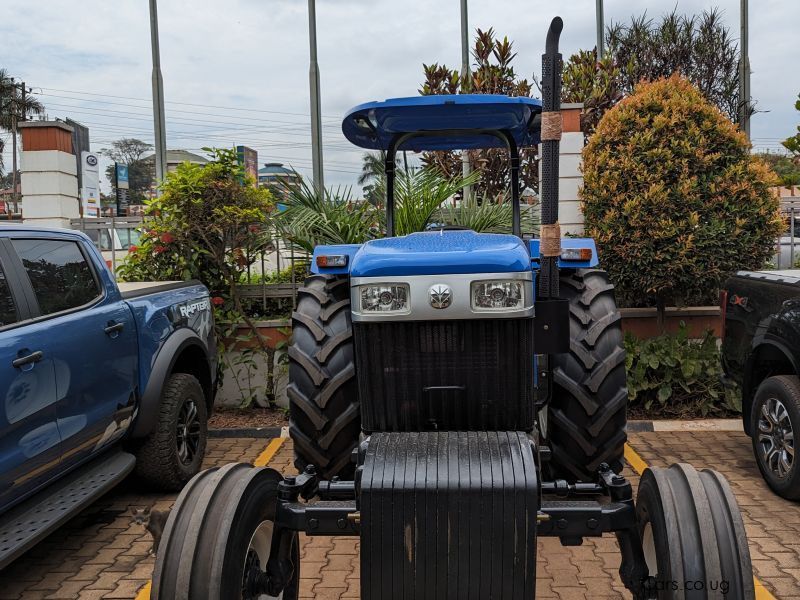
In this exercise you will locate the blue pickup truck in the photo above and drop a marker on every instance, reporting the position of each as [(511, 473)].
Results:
[(97, 380)]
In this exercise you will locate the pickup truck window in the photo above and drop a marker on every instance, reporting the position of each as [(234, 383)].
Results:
[(8, 311), (59, 273)]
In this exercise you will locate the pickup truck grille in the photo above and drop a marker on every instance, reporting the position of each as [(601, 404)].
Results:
[(468, 375)]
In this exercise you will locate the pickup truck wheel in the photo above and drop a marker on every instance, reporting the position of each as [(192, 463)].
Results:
[(324, 410), (586, 417), (775, 422), (173, 452)]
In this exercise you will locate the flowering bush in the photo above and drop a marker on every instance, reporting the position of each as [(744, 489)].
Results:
[(674, 198), (207, 223)]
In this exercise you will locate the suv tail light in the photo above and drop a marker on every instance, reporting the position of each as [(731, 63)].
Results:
[(723, 311)]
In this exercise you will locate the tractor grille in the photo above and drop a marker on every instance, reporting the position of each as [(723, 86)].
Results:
[(467, 375)]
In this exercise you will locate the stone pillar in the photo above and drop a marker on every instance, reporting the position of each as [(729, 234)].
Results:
[(49, 174), (569, 171)]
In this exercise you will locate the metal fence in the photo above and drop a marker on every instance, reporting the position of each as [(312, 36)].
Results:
[(263, 279), (788, 245)]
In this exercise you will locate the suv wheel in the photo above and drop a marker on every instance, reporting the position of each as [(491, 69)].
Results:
[(775, 419)]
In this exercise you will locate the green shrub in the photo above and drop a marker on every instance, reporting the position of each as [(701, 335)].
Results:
[(673, 197), (672, 376)]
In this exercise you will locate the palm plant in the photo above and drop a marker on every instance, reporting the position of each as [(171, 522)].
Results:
[(331, 217), (421, 200), (14, 105)]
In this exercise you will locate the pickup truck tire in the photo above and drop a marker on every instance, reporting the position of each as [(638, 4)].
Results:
[(324, 410), (586, 417), (173, 452), (774, 425)]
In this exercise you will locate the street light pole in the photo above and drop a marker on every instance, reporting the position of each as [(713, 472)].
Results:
[(159, 126), (744, 71), (466, 81), (316, 117), (600, 30)]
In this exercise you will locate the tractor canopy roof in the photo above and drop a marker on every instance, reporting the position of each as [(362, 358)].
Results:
[(464, 121)]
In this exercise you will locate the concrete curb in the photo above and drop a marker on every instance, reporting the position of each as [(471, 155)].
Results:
[(678, 425), (247, 432)]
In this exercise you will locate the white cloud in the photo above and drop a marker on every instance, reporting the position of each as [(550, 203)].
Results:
[(253, 55)]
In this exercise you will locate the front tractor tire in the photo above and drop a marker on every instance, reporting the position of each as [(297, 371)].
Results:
[(586, 417), (324, 411), (221, 541)]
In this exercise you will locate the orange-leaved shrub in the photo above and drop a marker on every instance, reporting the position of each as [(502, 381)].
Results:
[(673, 197)]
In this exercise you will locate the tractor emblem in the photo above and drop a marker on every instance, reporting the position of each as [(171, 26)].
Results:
[(440, 295)]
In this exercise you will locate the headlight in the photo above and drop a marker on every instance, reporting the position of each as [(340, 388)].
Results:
[(498, 295), (384, 298)]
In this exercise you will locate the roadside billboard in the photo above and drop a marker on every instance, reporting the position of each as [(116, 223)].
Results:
[(90, 190), (249, 159)]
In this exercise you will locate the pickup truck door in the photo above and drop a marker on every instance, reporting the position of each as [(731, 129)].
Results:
[(30, 443), (92, 341)]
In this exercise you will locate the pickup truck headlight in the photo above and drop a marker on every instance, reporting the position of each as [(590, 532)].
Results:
[(498, 295), (384, 298)]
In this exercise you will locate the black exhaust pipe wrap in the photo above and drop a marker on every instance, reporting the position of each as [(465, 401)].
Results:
[(550, 247)]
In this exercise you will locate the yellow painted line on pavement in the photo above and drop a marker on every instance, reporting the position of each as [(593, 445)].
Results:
[(634, 460), (144, 593), (270, 451), (262, 461), (637, 464)]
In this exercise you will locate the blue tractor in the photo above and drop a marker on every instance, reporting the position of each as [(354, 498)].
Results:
[(454, 395)]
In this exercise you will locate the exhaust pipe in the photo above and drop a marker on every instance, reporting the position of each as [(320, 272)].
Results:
[(550, 246)]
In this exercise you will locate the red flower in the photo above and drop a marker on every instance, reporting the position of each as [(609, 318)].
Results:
[(167, 238), (158, 249), (132, 249), (217, 301)]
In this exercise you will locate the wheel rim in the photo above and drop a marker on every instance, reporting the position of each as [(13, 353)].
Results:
[(188, 432), (258, 552), (649, 548), (776, 438)]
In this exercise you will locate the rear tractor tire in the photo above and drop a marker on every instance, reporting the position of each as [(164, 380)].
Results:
[(324, 410), (693, 536), (220, 537), (586, 417)]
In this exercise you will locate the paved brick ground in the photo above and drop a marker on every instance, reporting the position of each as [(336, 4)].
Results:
[(101, 554)]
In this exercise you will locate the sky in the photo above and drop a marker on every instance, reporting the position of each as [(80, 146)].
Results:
[(236, 72)]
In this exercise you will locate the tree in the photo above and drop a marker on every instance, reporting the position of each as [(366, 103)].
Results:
[(700, 48), (16, 104), (492, 73), (141, 172), (673, 197), (373, 174), (792, 144), (595, 83), (784, 166)]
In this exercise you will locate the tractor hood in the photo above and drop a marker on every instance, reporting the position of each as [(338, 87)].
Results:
[(441, 252)]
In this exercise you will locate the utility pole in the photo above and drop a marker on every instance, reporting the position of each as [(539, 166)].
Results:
[(17, 103), (316, 117), (159, 126), (466, 81), (744, 71), (601, 50)]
